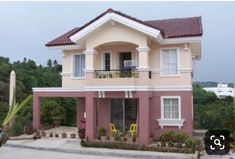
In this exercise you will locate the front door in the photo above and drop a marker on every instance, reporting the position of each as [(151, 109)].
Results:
[(123, 113)]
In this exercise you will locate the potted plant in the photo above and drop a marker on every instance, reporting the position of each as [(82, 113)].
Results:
[(51, 134), (28, 130), (102, 134), (134, 139), (81, 133), (56, 123), (43, 133), (63, 135), (107, 138), (73, 136)]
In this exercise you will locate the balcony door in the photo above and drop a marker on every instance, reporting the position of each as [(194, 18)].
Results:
[(107, 61), (124, 56)]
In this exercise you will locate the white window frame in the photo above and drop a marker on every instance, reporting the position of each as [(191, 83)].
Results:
[(170, 121), (178, 62), (73, 66), (102, 59), (162, 106)]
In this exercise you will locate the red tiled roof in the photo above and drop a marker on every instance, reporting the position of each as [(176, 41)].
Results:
[(179, 27), (169, 28)]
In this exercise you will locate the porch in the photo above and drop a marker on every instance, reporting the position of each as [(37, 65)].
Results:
[(100, 108)]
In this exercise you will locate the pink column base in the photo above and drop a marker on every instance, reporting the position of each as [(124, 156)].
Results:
[(90, 116), (144, 118)]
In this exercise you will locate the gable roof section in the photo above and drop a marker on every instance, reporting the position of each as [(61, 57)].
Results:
[(169, 28), (179, 27)]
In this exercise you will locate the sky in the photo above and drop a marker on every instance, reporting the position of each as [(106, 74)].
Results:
[(25, 28)]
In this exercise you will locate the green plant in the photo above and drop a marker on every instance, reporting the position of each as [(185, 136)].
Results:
[(14, 109), (16, 129), (126, 146), (181, 137), (117, 137), (167, 136), (101, 132), (189, 142)]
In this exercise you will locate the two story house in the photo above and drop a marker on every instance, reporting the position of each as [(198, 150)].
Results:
[(123, 70)]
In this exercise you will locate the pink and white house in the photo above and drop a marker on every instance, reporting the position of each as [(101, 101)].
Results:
[(123, 70)]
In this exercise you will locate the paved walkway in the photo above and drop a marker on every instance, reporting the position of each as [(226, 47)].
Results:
[(73, 146)]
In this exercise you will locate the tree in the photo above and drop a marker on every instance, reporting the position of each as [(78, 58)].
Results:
[(211, 112), (49, 63), (55, 63)]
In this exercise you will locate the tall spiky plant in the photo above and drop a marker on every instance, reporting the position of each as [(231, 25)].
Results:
[(14, 109)]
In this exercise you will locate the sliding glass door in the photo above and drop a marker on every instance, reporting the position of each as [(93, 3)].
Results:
[(123, 113), (116, 113)]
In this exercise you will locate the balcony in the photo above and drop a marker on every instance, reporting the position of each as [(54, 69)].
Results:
[(117, 73)]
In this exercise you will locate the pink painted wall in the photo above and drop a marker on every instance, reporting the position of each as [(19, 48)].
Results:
[(148, 113), (103, 113), (186, 112)]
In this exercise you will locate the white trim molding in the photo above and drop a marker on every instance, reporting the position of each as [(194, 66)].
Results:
[(113, 88), (143, 49), (89, 52), (120, 19), (171, 121), (66, 73)]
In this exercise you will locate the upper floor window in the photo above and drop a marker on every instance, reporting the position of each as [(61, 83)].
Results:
[(79, 65), (169, 61), (170, 107)]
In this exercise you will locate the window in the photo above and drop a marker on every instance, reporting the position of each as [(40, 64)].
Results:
[(169, 62), (107, 62), (79, 65), (171, 108)]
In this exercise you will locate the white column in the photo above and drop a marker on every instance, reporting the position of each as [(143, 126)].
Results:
[(12, 87), (89, 60), (143, 58)]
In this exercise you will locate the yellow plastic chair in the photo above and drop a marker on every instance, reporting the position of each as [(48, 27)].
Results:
[(112, 129), (133, 130)]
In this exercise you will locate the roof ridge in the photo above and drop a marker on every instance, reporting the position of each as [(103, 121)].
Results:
[(172, 19), (110, 10)]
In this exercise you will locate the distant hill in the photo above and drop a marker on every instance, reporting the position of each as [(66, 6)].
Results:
[(210, 84)]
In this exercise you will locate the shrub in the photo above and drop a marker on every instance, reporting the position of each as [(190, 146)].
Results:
[(17, 129), (181, 137), (126, 146), (167, 136), (172, 137), (189, 142)]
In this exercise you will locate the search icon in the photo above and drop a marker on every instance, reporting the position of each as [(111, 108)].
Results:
[(217, 142)]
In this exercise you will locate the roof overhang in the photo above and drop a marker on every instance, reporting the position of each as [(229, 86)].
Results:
[(65, 47), (181, 40), (111, 16)]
